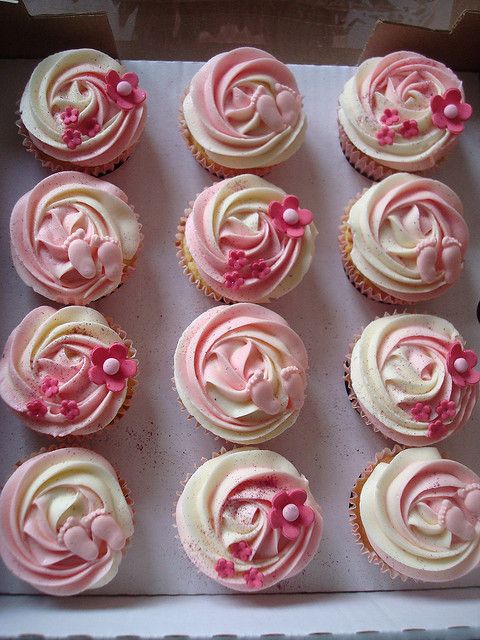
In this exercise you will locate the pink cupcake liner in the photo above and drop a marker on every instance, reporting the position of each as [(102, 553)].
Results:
[(365, 165)]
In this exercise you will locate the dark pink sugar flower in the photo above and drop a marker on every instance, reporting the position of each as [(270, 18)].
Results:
[(409, 129), (460, 365), (254, 578), (91, 127), (70, 409), (289, 513), (237, 259), (72, 138), (288, 217), (390, 116), (49, 386), (234, 280), (241, 550), (111, 366), (36, 408), (421, 412), (446, 410), (385, 136), (260, 269), (123, 90), (436, 429), (225, 568), (69, 115), (449, 112)]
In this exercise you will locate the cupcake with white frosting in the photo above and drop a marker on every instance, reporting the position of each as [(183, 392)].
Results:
[(400, 112), (404, 239), (411, 378), (417, 515)]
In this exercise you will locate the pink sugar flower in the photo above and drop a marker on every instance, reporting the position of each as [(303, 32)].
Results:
[(70, 409), (233, 280), (289, 513), (288, 217), (449, 112), (69, 115), (225, 568), (237, 259), (409, 129), (446, 410), (460, 365), (421, 412), (49, 386), (385, 136), (254, 578), (260, 269), (241, 550), (72, 138), (91, 127), (36, 408), (436, 428), (390, 116), (123, 90), (111, 366)]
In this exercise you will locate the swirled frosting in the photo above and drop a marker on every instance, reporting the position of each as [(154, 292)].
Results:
[(65, 522), (224, 520), (46, 369), (76, 79), (421, 515), (240, 371), (73, 236), (403, 82), (404, 382), (243, 107), (233, 216), (409, 236)]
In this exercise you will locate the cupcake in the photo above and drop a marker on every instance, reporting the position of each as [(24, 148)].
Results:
[(74, 238), (240, 371), (242, 112), (66, 520), (247, 519), (404, 239), (411, 378), (417, 515), (67, 372), (81, 111), (402, 112), (246, 240)]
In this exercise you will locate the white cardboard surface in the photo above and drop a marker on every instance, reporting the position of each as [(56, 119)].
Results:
[(155, 446)]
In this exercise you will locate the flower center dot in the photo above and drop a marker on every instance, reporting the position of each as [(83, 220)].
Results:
[(111, 366), (124, 88), (461, 365), (450, 111), (290, 216), (290, 512)]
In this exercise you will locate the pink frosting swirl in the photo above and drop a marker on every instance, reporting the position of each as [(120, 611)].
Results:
[(241, 372), (44, 372), (65, 521), (243, 107), (73, 237), (233, 215)]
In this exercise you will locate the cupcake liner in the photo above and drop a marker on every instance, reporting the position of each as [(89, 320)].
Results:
[(359, 281), (202, 158), (189, 416), (364, 164), (55, 165), (358, 531)]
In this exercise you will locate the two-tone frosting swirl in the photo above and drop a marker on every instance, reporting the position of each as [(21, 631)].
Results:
[(232, 218), (421, 515), (240, 371), (229, 522), (47, 373), (69, 91), (65, 522), (406, 381), (73, 237), (409, 236), (385, 110), (244, 108)]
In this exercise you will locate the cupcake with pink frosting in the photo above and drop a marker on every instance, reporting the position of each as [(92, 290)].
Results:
[(240, 371), (246, 240), (81, 110), (247, 519), (400, 112), (404, 239), (411, 377), (74, 238), (69, 372), (66, 521), (417, 515), (242, 113)]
